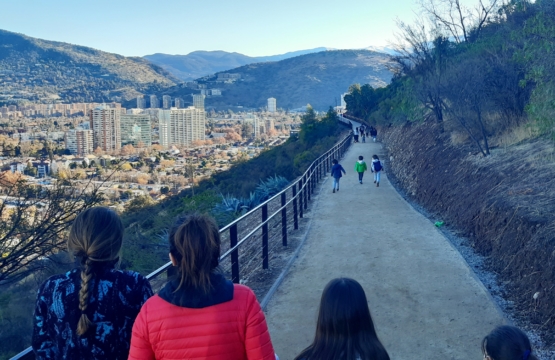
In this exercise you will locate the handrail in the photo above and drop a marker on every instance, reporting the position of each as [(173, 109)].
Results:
[(308, 177)]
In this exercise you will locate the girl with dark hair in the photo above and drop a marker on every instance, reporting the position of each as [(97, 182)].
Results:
[(88, 312), (199, 314), (345, 329), (507, 343)]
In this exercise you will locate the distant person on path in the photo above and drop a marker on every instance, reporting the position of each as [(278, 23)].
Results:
[(199, 314), (373, 133), (345, 329), (377, 168), (363, 135), (356, 135), (360, 168), (507, 343), (88, 312), (336, 171)]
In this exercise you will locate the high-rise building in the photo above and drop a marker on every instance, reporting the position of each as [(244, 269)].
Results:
[(166, 101), (154, 102), (181, 126), (106, 128), (272, 105), (255, 122), (178, 103), (198, 101), (136, 129), (269, 124), (79, 141)]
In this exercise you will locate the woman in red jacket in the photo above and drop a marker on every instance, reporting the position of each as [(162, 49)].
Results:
[(200, 314)]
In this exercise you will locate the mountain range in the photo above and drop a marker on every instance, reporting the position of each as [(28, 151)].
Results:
[(317, 79), (40, 70), (202, 63), (36, 70)]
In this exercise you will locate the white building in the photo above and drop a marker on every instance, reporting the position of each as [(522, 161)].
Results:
[(106, 128), (272, 105), (166, 101), (135, 129), (181, 126), (198, 101), (141, 102), (79, 141), (179, 103), (154, 102), (255, 122), (270, 125)]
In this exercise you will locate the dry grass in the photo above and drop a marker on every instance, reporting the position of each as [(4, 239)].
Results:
[(459, 138), (514, 136)]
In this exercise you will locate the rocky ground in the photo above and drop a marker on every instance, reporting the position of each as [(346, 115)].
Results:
[(498, 211)]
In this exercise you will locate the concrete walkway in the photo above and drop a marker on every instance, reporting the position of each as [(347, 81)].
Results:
[(425, 301)]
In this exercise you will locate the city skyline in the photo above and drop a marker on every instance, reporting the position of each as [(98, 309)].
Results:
[(272, 28)]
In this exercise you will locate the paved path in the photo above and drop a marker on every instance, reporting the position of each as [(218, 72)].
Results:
[(425, 300)]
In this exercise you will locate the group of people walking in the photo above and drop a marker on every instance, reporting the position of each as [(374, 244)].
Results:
[(98, 312), (363, 132), (361, 167)]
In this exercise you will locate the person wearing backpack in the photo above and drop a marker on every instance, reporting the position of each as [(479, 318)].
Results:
[(336, 171), (377, 168), (360, 168)]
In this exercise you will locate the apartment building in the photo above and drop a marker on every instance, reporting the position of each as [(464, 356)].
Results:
[(79, 142), (106, 128), (181, 126), (135, 129), (272, 105)]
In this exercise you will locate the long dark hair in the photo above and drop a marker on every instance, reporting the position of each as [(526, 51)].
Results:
[(95, 238), (345, 329), (195, 246), (507, 343)]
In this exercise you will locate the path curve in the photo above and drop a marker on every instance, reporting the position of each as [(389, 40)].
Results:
[(425, 300)]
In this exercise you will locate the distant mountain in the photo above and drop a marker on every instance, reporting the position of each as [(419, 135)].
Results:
[(202, 63), (36, 69), (317, 79)]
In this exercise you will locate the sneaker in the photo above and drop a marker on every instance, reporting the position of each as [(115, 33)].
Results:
[(334, 191), (337, 189), (374, 181), (377, 184)]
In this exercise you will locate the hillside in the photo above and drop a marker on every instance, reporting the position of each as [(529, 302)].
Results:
[(317, 79), (202, 63), (36, 69)]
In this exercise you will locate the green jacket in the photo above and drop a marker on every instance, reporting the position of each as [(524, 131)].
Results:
[(360, 166)]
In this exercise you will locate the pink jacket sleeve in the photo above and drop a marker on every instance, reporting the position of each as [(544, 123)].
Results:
[(258, 344), (141, 349)]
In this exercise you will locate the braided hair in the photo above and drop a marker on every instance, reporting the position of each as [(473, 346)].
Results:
[(96, 238)]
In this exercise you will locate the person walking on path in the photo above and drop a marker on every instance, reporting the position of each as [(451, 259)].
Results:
[(373, 133), (377, 168), (336, 171), (507, 343), (356, 135), (345, 329), (199, 314), (88, 312), (360, 168)]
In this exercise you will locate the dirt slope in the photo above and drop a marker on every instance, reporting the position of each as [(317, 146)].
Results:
[(503, 204)]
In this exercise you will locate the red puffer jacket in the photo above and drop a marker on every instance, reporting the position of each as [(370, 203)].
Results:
[(227, 324)]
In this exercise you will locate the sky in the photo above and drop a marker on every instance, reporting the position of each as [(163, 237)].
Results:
[(250, 27)]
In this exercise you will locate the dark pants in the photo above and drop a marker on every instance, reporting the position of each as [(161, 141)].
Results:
[(356, 138), (360, 175)]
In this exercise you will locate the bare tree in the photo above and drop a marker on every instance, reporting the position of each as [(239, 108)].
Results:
[(34, 222), (457, 21)]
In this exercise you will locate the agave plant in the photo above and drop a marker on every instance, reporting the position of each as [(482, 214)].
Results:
[(254, 199), (271, 186), (230, 204)]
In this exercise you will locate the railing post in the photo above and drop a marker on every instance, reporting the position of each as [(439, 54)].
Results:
[(309, 187), (305, 193), (265, 236), (301, 198), (234, 254), (295, 212), (283, 219)]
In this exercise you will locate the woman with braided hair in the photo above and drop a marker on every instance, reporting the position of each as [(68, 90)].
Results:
[(88, 312)]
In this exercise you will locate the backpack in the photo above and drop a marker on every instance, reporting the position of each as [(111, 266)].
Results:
[(377, 165)]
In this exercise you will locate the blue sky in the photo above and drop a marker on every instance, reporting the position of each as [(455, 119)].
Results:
[(250, 27)]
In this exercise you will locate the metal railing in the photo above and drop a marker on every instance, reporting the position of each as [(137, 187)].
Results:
[(277, 218)]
